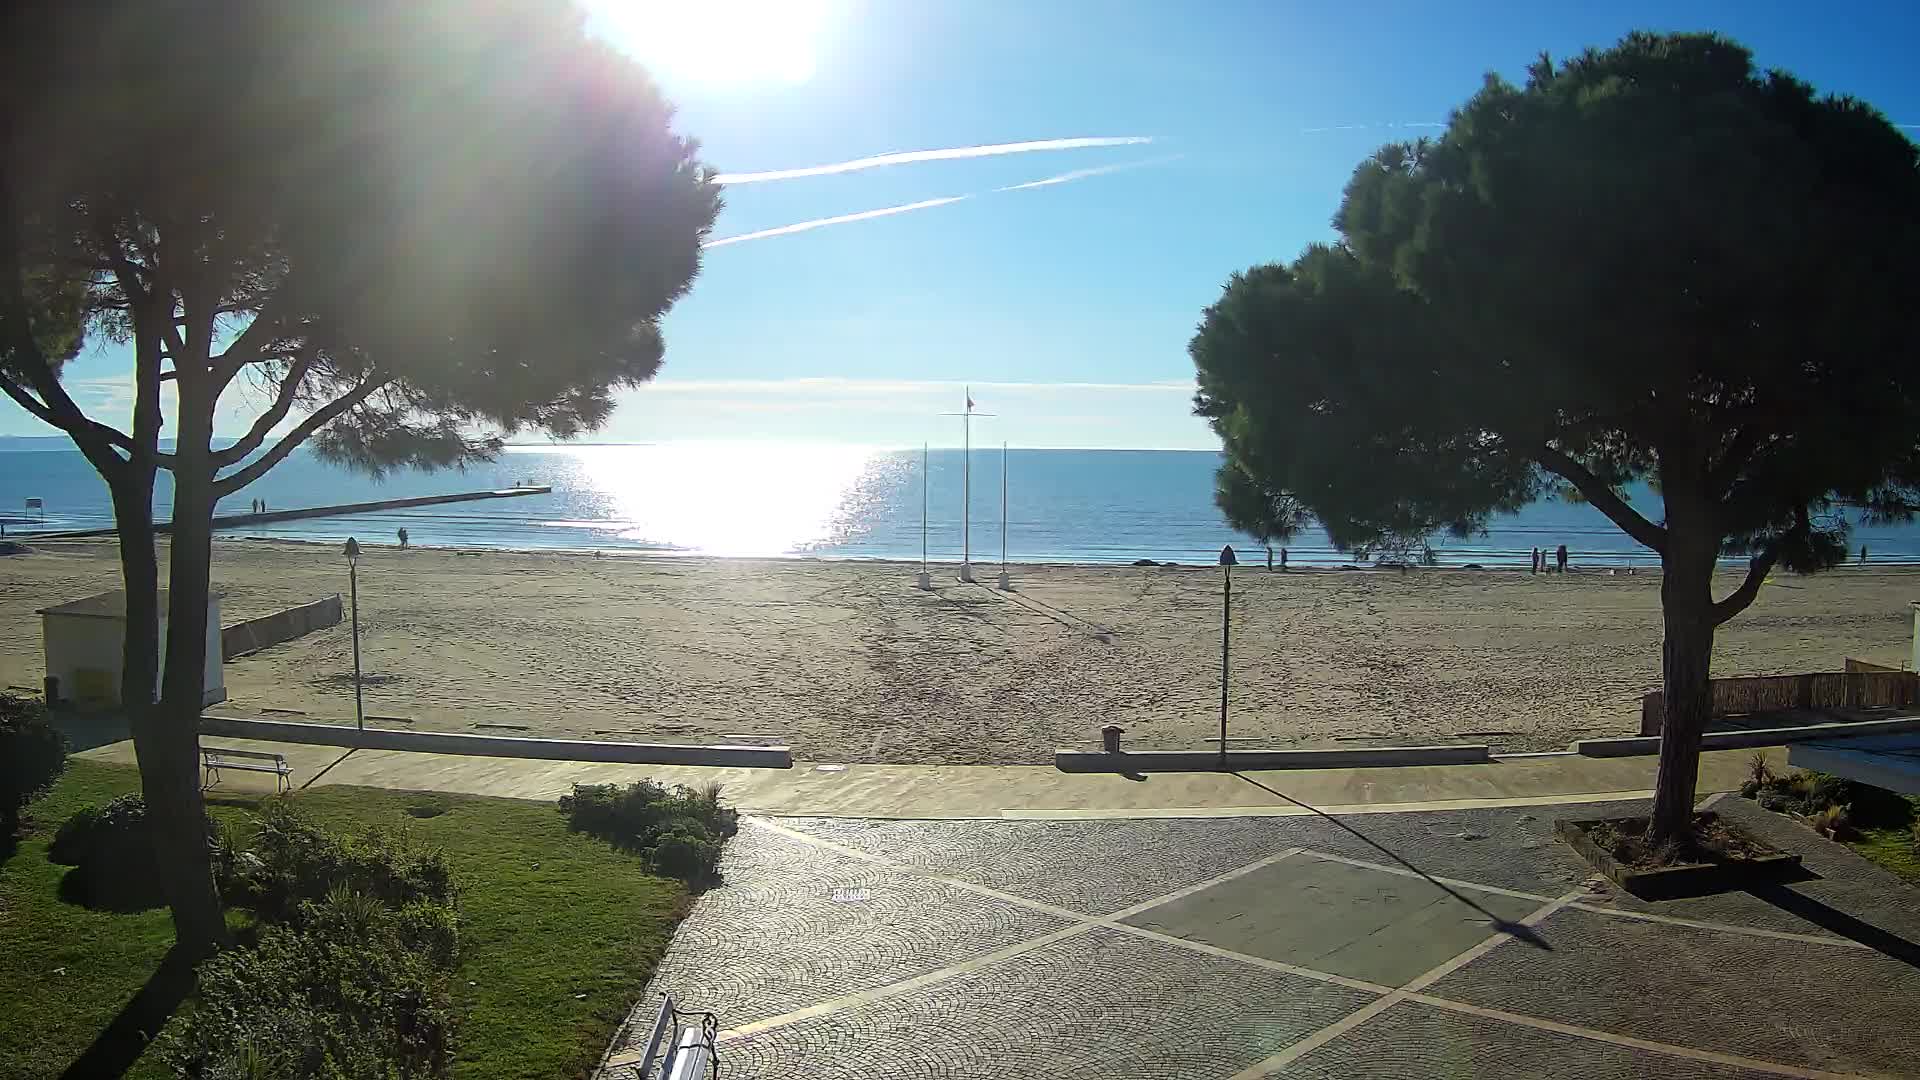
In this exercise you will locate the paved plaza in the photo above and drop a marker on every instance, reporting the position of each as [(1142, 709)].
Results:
[(1241, 947)]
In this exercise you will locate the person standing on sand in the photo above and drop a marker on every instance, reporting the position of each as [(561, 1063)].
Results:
[(403, 539), (1560, 558), (1283, 560), (1863, 554), (1533, 562)]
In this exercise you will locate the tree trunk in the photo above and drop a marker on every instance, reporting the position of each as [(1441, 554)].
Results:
[(174, 802), (1686, 656)]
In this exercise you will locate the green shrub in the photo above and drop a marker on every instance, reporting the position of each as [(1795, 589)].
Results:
[(1833, 822), (684, 855), (33, 754), (112, 852), (294, 861), (677, 830), (357, 990)]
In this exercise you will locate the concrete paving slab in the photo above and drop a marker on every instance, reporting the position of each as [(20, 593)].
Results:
[(1416, 1040), (794, 924), (1807, 1005), (1330, 916), (1096, 1006)]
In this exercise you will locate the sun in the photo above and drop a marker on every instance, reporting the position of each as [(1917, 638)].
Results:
[(717, 41)]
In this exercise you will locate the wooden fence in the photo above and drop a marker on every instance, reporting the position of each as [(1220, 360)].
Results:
[(1854, 689)]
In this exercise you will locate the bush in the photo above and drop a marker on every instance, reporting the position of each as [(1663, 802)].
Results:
[(294, 861), (1834, 823), (33, 754), (684, 855), (677, 830), (1823, 799), (358, 990), (112, 852)]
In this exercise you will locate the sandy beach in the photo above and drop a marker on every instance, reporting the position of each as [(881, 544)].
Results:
[(846, 661)]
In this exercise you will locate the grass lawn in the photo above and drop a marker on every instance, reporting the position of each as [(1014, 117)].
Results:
[(1892, 849), (558, 932)]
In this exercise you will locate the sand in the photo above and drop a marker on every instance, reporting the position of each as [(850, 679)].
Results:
[(848, 662)]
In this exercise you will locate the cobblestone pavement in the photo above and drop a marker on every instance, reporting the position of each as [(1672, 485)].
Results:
[(1237, 948)]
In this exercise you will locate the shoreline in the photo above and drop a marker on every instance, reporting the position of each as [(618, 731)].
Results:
[(1651, 567)]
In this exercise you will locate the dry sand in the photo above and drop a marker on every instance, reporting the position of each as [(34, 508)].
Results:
[(848, 662)]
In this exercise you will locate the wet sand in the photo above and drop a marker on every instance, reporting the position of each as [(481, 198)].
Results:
[(847, 661)]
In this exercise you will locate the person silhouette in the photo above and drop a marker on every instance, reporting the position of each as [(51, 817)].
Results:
[(403, 538)]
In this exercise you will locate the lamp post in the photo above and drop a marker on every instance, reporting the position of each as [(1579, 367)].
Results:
[(353, 589), (1227, 561)]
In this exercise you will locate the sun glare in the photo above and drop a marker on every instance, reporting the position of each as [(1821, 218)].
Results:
[(718, 41)]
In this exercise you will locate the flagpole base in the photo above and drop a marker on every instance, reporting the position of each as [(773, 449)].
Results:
[(1006, 585), (923, 581), (966, 572)]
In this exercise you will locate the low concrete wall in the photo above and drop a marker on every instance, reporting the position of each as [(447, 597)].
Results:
[(1209, 760), (1813, 690), (437, 742), (1737, 740), (255, 634)]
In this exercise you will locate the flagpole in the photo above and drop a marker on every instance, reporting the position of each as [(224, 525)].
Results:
[(966, 491), (926, 579), (1004, 583), (966, 487)]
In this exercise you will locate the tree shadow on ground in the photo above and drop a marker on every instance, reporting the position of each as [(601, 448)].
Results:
[(1839, 922), (1520, 931), (126, 1036)]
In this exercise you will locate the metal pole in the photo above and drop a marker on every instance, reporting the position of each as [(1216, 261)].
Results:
[(1003, 509), (1226, 607), (353, 588), (923, 508), (966, 491)]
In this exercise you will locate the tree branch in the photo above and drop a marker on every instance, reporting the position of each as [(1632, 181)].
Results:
[(264, 424), (1739, 451), (254, 339), (319, 419), (1757, 570), (1603, 497)]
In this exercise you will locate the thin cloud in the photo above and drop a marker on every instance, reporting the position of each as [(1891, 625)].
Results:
[(910, 157), (1082, 174), (841, 219), (1371, 127)]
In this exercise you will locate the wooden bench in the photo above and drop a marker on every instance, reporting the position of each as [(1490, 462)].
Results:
[(215, 758)]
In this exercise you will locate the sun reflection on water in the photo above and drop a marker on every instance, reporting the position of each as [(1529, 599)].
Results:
[(734, 499)]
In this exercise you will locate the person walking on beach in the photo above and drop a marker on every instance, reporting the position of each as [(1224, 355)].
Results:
[(1863, 554), (1283, 560), (1533, 562), (1560, 558), (403, 539)]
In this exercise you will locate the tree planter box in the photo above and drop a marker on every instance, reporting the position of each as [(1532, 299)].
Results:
[(1680, 878)]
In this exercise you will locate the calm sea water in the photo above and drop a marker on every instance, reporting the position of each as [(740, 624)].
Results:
[(759, 500)]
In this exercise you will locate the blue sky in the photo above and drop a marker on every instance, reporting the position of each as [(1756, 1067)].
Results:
[(1067, 306)]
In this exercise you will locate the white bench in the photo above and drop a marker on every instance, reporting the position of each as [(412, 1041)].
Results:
[(679, 1051), (215, 758)]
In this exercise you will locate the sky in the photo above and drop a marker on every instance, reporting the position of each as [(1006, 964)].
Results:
[(1068, 183)]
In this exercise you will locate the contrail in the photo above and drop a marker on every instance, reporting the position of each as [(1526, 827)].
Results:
[(1371, 127), (909, 157), (1082, 174), (842, 219)]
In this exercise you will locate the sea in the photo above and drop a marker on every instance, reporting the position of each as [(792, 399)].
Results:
[(760, 500)]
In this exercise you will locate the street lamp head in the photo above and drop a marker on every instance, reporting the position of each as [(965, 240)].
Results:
[(1227, 557), (353, 548)]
